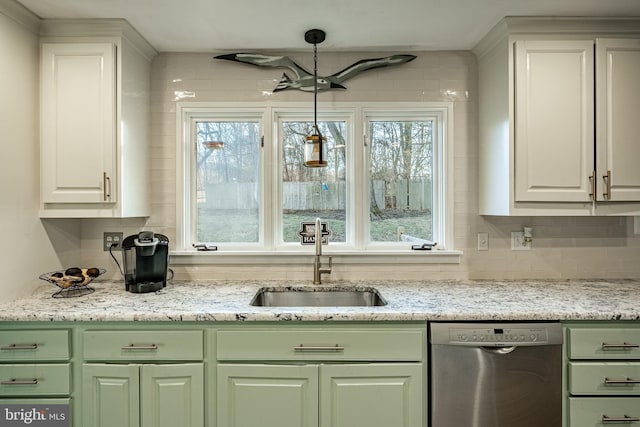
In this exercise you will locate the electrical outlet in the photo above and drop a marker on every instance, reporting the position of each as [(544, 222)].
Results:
[(483, 241), (518, 243), (113, 239)]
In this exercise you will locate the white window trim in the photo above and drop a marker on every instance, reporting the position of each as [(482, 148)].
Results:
[(265, 252)]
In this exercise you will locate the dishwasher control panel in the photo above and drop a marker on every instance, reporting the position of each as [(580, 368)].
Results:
[(498, 335)]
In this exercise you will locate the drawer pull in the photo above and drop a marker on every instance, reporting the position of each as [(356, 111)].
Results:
[(623, 381), (19, 347), (303, 347), (624, 345), (144, 347), (15, 381), (623, 419)]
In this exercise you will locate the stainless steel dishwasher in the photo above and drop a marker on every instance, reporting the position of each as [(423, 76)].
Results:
[(496, 375)]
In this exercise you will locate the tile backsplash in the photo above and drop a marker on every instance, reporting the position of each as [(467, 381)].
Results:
[(563, 247)]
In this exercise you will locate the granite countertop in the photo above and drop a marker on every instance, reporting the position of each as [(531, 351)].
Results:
[(407, 301)]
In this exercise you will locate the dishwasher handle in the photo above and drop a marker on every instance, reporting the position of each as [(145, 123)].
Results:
[(499, 350)]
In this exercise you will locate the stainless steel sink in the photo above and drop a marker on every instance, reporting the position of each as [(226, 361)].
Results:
[(317, 297)]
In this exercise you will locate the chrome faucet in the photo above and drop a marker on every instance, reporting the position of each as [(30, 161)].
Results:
[(318, 270)]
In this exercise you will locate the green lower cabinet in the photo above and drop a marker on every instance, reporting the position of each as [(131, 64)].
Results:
[(371, 395), (603, 411), (172, 395), (324, 395), (34, 345), (143, 395), (38, 379), (604, 378), (110, 395), (602, 374), (267, 395)]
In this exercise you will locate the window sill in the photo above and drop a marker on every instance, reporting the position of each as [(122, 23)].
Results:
[(298, 257)]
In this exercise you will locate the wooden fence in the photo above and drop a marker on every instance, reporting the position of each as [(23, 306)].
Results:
[(316, 196)]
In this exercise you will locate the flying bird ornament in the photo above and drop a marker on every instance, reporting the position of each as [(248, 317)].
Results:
[(303, 79)]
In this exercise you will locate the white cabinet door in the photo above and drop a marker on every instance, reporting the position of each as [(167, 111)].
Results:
[(78, 134), (618, 123), (554, 134)]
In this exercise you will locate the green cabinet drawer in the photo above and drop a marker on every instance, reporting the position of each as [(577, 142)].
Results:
[(143, 345), (603, 411), (604, 378), (314, 344), (35, 379), (34, 345), (604, 343)]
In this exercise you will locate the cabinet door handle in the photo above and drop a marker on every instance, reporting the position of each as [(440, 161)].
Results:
[(622, 381), (15, 381), (624, 345), (622, 419), (607, 185), (303, 347), (593, 182), (147, 347), (19, 347), (106, 186)]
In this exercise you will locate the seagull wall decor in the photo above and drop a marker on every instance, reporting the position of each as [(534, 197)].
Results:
[(304, 79)]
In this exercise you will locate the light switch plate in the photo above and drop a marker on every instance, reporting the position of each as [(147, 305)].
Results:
[(483, 241)]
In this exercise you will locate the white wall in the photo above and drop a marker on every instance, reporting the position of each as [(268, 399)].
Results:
[(26, 249), (562, 247)]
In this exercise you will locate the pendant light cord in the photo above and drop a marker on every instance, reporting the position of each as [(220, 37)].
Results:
[(315, 101), (315, 86)]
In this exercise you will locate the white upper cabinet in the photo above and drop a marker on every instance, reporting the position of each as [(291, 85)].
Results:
[(558, 117), (554, 120), (95, 120), (618, 120), (78, 122)]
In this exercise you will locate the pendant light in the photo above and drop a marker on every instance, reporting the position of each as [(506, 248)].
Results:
[(314, 143)]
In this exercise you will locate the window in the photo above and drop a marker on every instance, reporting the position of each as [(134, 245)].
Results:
[(243, 186), (308, 193), (401, 179), (226, 175)]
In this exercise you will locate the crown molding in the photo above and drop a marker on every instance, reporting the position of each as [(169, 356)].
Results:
[(63, 28), (21, 15), (555, 25)]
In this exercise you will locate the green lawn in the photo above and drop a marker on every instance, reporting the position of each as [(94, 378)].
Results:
[(242, 226)]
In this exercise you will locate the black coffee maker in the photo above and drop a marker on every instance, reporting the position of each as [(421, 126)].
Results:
[(146, 261)]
